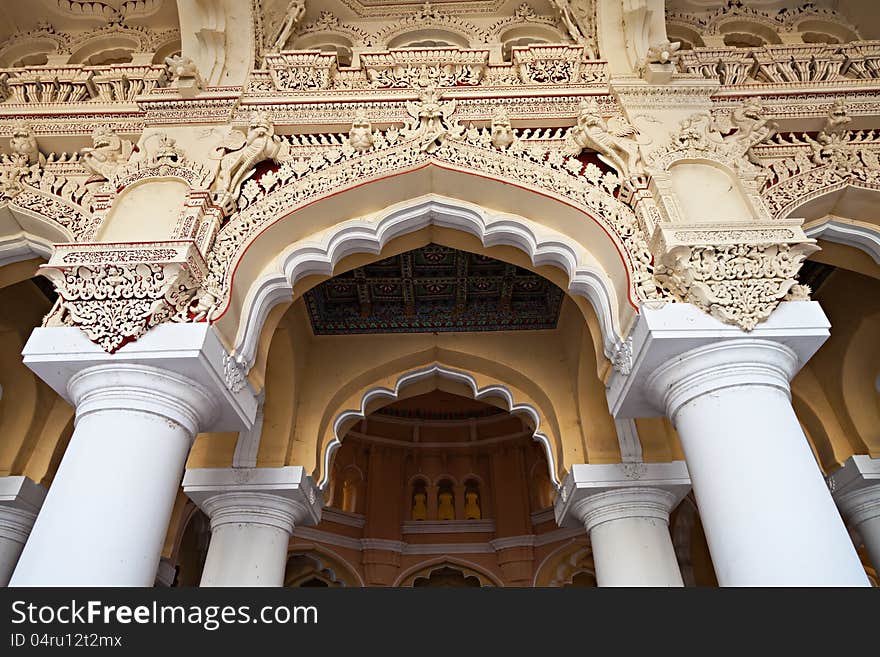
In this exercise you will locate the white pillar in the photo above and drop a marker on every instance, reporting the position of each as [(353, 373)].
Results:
[(20, 501), (106, 514), (767, 513), (625, 509), (253, 512), (105, 517), (856, 488)]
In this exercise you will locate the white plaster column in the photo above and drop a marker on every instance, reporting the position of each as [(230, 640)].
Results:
[(856, 489), (767, 513), (106, 514), (253, 512), (20, 501), (625, 509)]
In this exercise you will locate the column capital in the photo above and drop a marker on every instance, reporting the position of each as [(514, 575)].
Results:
[(679, 352), (174, 366), (856, 488), (595, 493), (283, 498), (20, 502)]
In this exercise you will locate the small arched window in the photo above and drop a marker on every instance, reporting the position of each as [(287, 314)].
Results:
[(419, 501), (445, 500), (473, 509)]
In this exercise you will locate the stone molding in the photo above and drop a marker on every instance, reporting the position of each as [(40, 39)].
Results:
[(404, 548), (282, 498), (632, 502), (145, 389), (703, 370), (595, 493), (20, 502)]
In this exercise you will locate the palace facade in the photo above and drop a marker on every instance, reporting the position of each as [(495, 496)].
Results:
[(465, 293)]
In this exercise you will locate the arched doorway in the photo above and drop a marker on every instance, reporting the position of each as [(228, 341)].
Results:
[(437, 381)]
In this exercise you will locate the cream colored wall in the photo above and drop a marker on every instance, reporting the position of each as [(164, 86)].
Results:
[(311, 380), (35, 423), (835, 394)]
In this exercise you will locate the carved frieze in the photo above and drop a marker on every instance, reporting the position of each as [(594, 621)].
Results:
[(814, 165)]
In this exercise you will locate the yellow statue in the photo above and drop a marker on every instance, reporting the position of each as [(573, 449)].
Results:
[(472, 506), (447, 508), (420, 508)]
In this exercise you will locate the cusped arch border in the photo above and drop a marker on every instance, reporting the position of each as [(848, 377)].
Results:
[(307, 258), (36, 235), (859, 236), (391, 394), (309, 549), (565, 553), (430, 565)]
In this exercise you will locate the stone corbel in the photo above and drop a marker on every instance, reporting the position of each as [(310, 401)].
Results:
[(116, 292), (738, 273)]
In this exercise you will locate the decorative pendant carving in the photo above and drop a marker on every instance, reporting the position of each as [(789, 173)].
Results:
[(115, 293), (736, 283)]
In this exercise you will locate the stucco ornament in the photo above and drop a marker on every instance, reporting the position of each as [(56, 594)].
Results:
[(614, 139), (293, 16), (184, 75), (23, 145), (431, 123), (240, 153), (107, 153), (361, 134), (833, 159), (663, 52), (502, 132), (115, 293), (727, 138), (738, 284), (750, 127)]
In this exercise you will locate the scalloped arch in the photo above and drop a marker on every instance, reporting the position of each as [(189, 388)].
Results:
[(385, 394), (308, 258), (437, 563)]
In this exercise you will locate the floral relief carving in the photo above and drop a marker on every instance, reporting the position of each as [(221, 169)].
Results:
[(116, 296), (738, 284)]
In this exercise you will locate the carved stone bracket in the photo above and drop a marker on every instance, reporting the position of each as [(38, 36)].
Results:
[(116, 292), (736, 274)]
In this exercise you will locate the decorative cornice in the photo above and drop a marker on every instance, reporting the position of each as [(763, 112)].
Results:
[(449, 527), (404, 548)]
